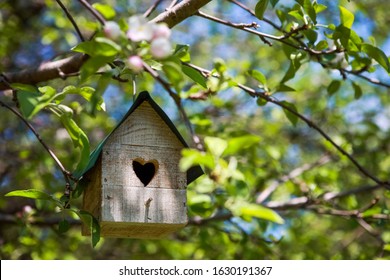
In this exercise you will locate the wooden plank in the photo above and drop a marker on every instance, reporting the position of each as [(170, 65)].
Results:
[(144, 205), (145, 128), (118, 166), (92, 196), (136, 230)]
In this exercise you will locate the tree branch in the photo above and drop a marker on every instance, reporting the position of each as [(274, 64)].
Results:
[(46, 71), (294, 173), (180, 12), (56, 69), (255, 93)]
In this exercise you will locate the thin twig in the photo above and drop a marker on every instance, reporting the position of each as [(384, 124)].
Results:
[(66, 173), (334, 195), (93, 11), (262, 35), (151, 9), (172, 4), (71, 19), (309, 122), (252, 12), (294, 173), (370, 80)]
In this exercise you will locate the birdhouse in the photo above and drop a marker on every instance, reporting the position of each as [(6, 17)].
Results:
[(133, 185)]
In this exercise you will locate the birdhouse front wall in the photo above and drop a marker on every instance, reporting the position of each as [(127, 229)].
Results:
[(141, 180)]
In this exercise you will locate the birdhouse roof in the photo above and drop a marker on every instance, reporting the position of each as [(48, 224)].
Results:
[(192, 174)]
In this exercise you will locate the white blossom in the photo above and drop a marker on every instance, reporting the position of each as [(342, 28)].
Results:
[(139, 29), (135, 63), (161, 30), (160, 48), (112, 30)]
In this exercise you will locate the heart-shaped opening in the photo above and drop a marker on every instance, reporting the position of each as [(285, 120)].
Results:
[(145, 170)]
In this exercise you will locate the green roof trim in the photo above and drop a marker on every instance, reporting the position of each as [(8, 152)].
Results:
[(192, 174)]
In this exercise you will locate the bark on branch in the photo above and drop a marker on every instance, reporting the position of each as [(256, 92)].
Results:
[(180, 12)]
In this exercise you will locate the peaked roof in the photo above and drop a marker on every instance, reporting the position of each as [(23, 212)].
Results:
[(192, 174)]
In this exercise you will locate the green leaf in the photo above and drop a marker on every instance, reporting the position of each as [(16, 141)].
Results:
[(24, 87), (284, 88), (333, 87), (182, 52), (261, 101), (319, 7), (377, 54), (322, 45), (43, 100), (358, 90), (240, 143), (347, 18), (33, 102), (260, 8), (92, 224), (63, 226), (311, 35), (274, 2), (295, 64), (172, 70), (215, 146), (192, 157), (200, 203), (31, 193), (386, 247), (79, 139), (92, 65), (106, 10), (194, 75), (98, 47), (28, 102), (290, 116), (258, 76), (309, 9), (251, 210)]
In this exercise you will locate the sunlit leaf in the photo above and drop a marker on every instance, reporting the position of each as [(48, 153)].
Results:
[(322, 45), (215, 145), (347, 18), (182, 52), (240, 143), (200, 203), (106, 10), (251, 210), (31, 193), (79, 138), (258, 76), (98, 47), (192, 157)]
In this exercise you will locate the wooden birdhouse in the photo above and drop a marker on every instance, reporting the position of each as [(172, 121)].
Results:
[(134, 187)]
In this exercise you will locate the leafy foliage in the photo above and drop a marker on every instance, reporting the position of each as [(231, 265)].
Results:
[(286, 104)]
